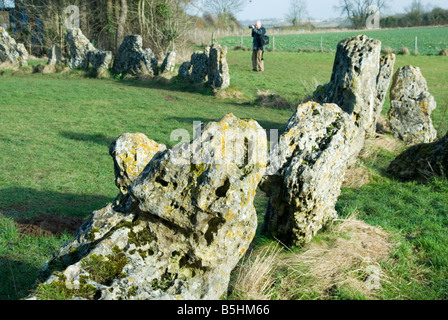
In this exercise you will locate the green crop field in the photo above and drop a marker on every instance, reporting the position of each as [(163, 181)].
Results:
[(430, 41), (55, 131)]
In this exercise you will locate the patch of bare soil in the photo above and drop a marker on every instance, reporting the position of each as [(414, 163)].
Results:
[(49, 225)]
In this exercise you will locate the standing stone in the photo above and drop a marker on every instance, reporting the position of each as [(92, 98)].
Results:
[(306, 171), (185, 70), (411, 106), (354, 83), (100, 59), (132, 59), (383, 82), (199, 66), (218, 72), (10, 51), (180, 230), (169, 62), (422, 161), (131, 153), (79, 48), (54, 55)]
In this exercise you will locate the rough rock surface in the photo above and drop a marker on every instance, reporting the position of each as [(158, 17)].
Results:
[(199, 66), (180, 230), (79, 48), (306, 171), (10, 51), (411, 106), (422, 161), (357, 84), (185, 70), (131, 153), (169, 62), (208, 66), (54, 55), (383, 82), (133, 59), (218, 69), (100, 59)]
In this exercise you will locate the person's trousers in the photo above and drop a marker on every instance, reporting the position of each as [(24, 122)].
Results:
[(257, 60)]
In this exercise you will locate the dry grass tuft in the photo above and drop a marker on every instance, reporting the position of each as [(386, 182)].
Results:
[(255, 275), (356, 177), (381, 141), (269, 99), (228, 93), (346, 262)]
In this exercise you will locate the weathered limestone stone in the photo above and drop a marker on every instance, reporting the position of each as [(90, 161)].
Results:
[(383, 82), (131, 153), (133, 59), (208, 66), (218, 72), (357, 84), (100, 59), (182, 227), (306, 170), (422, 161), (169, 62), (79, 48), (185, 70), (411, 107), (10, 51), (54, 55), (199, 66)]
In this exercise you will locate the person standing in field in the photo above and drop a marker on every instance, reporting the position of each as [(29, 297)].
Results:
[(258, 47)]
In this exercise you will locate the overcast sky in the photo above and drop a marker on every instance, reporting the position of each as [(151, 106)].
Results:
[(317, 9)]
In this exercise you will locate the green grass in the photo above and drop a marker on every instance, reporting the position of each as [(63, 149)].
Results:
[(56, 130), (430, 40)]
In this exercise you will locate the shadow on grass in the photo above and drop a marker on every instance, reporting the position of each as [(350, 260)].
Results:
[(85, 137), (22, 202), (16, 278), (173, 84)]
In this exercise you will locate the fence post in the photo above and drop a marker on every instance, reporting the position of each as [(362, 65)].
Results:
[(416, 45), (273, 43), (321, 44)]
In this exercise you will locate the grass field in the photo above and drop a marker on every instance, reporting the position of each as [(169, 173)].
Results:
[(430, 41), (56, 130)]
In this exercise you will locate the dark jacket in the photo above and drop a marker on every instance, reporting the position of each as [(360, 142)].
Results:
[(257, 34)]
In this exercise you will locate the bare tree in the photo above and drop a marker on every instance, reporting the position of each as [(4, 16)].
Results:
[(356, 10), (297, 10), (223, 8)]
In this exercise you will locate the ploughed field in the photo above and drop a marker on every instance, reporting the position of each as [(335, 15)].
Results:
[(55, 136)]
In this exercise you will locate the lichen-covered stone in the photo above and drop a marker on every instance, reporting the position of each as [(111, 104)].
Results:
[(306, 170), (185, 70), (54, 55), (79, 48), (131, 153), (169, 62), (133, 59), (100, 59), (357, 84), (422, 161), (179, 231), (199, 66), (10, 51), (383, 82), (218, 69), (411, 106)]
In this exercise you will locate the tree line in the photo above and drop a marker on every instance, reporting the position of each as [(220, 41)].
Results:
[(416, 18), (163, 24)]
